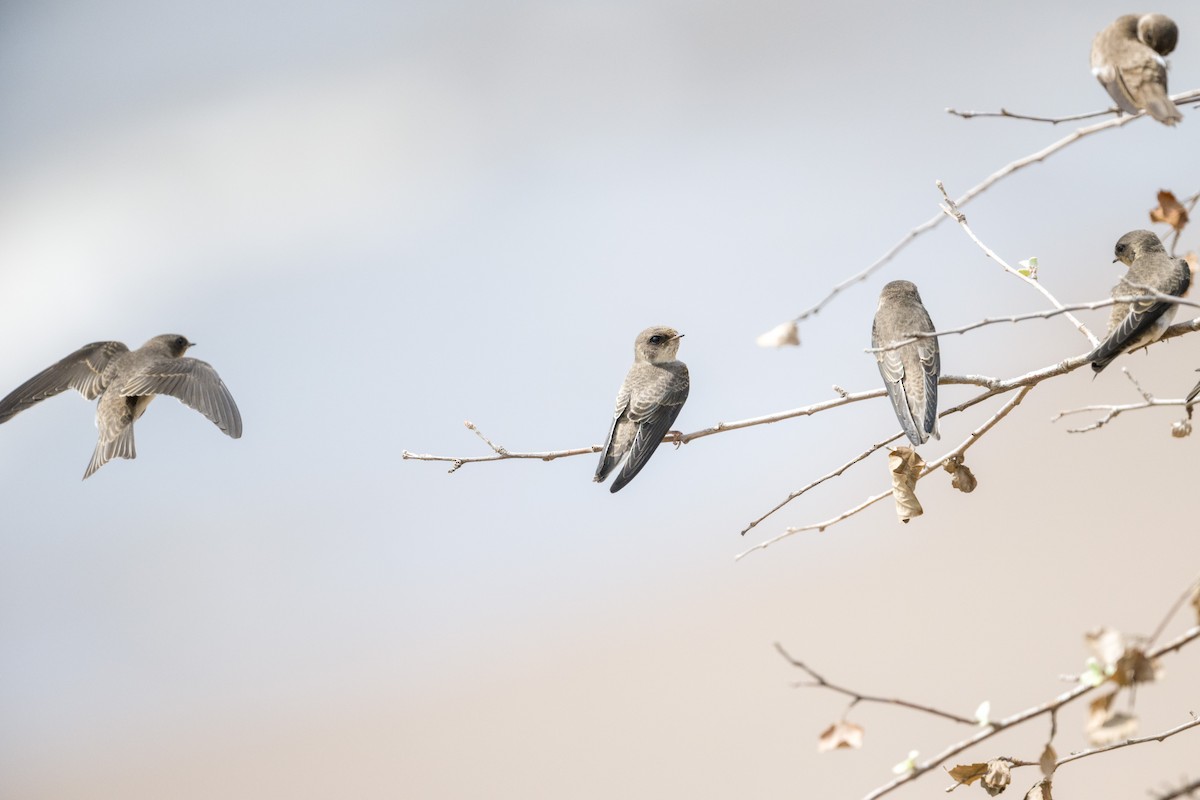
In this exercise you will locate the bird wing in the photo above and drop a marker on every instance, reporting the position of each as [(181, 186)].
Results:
[(931, 367), (1111, 78), (891, 369), (620, 435), (82, 371), (652, 420), (194, 383), (1142, 313)]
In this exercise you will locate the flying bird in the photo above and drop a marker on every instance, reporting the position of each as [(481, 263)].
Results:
[(910, 372), (1128, 60), (1137, 324), (126, 381), (647, 404)]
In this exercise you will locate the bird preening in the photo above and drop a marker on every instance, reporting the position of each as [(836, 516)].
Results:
[(125, 381), (1129, 60), (648, 402)]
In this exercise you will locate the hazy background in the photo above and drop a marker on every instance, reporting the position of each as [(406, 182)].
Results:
[(380, 219)]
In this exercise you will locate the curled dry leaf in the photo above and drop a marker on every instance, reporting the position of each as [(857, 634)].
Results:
[(1107, 644), (1049, 761), (905, 465), (1182, 428), (997, 777), (1134, 667), (1040, 791), (964, 479), (966, 774), (840, 735), (1170, 211), (781, 335), (1105, 726)]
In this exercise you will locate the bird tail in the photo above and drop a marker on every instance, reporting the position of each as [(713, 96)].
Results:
[(1161, 108), (120, 447)]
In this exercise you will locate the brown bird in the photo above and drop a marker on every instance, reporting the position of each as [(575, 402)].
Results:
[(1128, 60), (126, 381), (910, 372), (1137, 324), (647, 404)]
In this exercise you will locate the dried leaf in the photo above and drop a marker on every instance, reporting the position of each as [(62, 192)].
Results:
[(1117, 728), (784, 334), (1040, 791), (840, 735), (906, 465), (1134, 667), (964, 479), (1182, 428), (1169, 211), (1048, 761), (999, 775), (966, 774), (1108, 644), (1098, 710), (1193, 261), (983, 713)]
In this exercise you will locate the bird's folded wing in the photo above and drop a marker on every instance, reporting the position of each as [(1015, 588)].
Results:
[(653, 420)]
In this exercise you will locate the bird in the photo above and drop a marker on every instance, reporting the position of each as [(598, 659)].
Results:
[(1137, 324), (648, 402), (910, 372), (125, 381), (1128, 60)]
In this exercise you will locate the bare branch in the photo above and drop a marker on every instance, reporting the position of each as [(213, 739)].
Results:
[(1179, 99), (859, 697), (1052, 312), (1185, 790), (951, 210), (1053, 704), (972, 193)]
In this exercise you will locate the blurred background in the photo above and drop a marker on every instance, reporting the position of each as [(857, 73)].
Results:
[(380, 219)]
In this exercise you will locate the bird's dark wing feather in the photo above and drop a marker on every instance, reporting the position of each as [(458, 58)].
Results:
[(653, 421), (81, 371), (891, 368), (931, 365), (1142, 314), (195, 383)]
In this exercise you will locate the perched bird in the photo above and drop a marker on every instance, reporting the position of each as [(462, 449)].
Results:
[(1128, 60), (910, 372), (126, 381), (647, 404), (1137, 324)]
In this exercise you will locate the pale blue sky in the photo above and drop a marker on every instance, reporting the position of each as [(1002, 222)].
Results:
[(378, 220)]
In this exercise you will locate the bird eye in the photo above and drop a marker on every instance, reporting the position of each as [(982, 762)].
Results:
[(656, 339), (180, 342)]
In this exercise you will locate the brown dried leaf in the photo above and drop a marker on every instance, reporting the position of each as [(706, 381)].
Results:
[(1108, 645), (1048, 761), (1106, 726), (964, 479), (840, 735), (1193, 261), (785, 333), (1040, 791), (1169, 211), (999, 775), (905, 465), (966, 774), (1134, 667)]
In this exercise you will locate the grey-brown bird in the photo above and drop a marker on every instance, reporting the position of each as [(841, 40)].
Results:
[(1128, 60), (910, 372), (647, 404), (126, 381), (1137, 324)]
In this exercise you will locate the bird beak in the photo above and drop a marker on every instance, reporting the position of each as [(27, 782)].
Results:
[(1115, 260), (677, 336)]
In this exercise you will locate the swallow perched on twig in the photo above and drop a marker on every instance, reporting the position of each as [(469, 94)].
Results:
[(654, 391), (126, 381), (910, 372), (1128, 60), (1137, 324)]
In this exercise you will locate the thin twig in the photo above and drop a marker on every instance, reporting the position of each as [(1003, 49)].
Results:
[(1016, 719), (968, 196), (859, 697), (930, 467), (1181, 791), (1178, 604), (1052, 120), (950, 209)]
